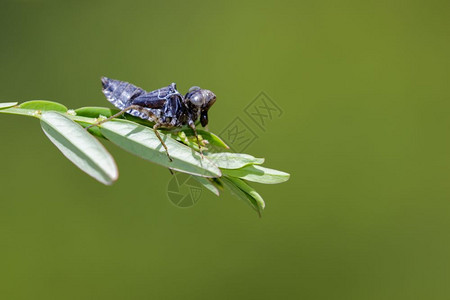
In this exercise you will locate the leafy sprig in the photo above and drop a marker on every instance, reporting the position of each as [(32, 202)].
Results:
[(219, 169)]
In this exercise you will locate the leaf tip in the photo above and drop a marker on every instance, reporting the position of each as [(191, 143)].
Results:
[(8, 104)]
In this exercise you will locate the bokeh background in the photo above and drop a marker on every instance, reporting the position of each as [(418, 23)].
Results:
[(364, 89)]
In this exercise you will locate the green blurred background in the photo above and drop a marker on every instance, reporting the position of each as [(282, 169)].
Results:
[(364, 89)]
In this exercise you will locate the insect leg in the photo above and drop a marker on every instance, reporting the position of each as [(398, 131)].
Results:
[(155, 127), (136, 107), (192, 125)]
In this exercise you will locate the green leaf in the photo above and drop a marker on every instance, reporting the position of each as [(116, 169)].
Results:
[(7, 104), (92, 130), (258, 174), (228, 160), (212, 138), (249, 190), (20, 111), (240, 194), (245, 192), (43, 105), (143, 142), (86, 152), (206, 135), (95, 112), (85, 122), (207, 184)]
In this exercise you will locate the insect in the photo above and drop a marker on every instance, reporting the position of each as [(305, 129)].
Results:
[(166, 107)]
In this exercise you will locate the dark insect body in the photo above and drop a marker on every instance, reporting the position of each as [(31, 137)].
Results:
[(166, 107)]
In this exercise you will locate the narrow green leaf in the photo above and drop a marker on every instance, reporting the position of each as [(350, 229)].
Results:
[(143, 142), (86, 152), (95, 112), (95, 131), (207, 184), (7, 104), (43, 105), (213, 139), (249, 191), (243, 191), (240, 194), (228, 160), (258, 174), (85, 122), (206, 135), (21, 111)]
